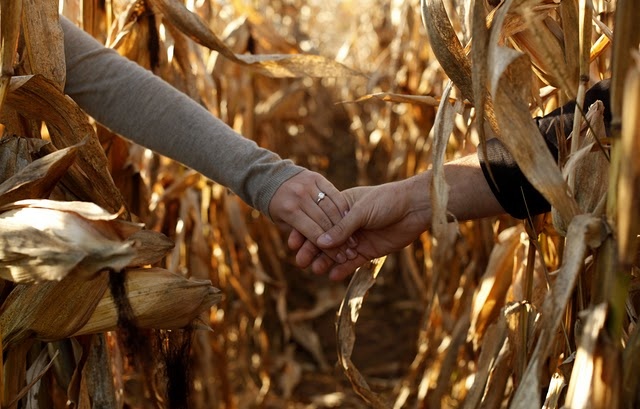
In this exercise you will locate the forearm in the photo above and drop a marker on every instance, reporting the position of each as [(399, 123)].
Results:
[(142, 107), (470, 196)]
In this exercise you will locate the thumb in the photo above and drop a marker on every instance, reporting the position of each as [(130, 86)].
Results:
[(340, 233)]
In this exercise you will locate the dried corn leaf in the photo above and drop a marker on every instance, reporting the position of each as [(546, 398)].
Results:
[(37, 179), (479, 74), (44, 40), (628, 184), (631, 361), (38, 99), (626, 22), (498, 384), (402, 98), (521, 319), (9, 33), (261, 30), (491, 293), (15, 366), (348, 313), (584, 231), (556, 388), (159, 299), (47, 240), (446, 46), (492, 344), (439, 189), (568, 11), (16, 153), (272, 65), (596, 376), (35, 372), (588, 166), (545, 51), (510, 85), (51, 310), (305, 336)]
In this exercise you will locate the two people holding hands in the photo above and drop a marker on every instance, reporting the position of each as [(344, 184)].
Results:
[(332, 232)]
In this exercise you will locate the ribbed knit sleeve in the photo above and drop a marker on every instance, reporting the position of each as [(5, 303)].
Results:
[(140, 106), (512, 189)]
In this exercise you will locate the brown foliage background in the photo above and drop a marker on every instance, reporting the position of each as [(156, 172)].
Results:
[(448, 323)]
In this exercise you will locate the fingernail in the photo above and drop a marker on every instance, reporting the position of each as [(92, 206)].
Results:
[(341, 258), (351, 254), (324, 240), (352, 242)]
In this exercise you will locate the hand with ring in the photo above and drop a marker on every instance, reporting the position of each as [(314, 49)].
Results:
[(311, 205)]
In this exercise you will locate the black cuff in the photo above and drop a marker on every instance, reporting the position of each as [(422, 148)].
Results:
[(512, 189)]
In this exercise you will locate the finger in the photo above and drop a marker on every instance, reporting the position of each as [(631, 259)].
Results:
[(341, 271), (322, 264), (333, 204), (318, 213), (337, 208), (296, 240), (307, 253), (340, 232)]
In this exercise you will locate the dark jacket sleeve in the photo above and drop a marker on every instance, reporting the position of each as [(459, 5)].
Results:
[(512, 189)]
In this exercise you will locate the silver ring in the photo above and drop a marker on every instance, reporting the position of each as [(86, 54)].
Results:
[(321, 195)]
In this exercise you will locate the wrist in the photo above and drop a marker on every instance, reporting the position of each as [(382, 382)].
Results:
[(417, 189)]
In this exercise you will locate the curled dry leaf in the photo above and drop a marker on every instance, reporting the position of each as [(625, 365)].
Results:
[(510, 79), (89, 178), (272, 65), (446, 46), (348, 313), (37, 179), (47, 240), (159, 299)]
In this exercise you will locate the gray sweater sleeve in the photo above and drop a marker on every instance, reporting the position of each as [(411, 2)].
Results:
[(140, 106)]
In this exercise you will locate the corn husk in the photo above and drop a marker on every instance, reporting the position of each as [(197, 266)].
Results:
[(588, 166), (159, 298), (47, 240)]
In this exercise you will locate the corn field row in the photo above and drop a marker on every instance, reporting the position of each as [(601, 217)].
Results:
[(130, 281)]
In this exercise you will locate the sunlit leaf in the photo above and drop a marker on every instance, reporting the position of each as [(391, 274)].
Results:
[(362, 280)]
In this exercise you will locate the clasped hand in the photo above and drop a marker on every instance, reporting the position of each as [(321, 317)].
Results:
[(377, 220)]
